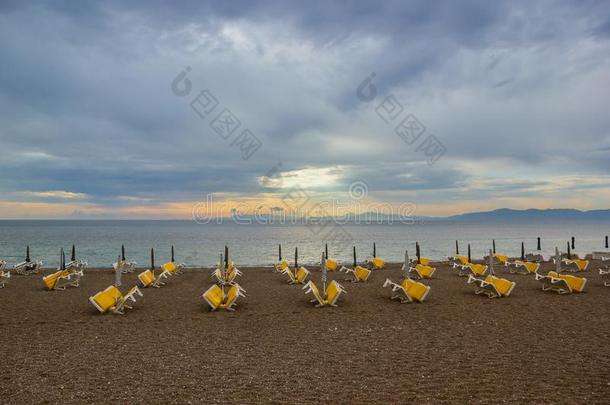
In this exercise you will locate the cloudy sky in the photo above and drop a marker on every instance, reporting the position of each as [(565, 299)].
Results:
[(146, 109)]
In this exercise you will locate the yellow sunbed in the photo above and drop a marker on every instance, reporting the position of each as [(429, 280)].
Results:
[(332, 293), (112, 300), (61, 279), (421, 271), (523, 267), (408, 290), (359, 274), (331, 264), (492, 286), (148, 279), (217, 299), (299, 278), (561, 283)]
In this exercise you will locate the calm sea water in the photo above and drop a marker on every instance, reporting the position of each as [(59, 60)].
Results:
[(99, 242)]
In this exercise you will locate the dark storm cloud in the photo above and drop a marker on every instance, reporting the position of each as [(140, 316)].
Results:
[(86, 105)]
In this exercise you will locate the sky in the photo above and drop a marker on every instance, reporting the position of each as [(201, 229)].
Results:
[(152, 109)]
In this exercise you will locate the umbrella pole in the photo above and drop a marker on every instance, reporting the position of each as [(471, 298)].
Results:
[(491, 263), (324, 273), (224, 274)]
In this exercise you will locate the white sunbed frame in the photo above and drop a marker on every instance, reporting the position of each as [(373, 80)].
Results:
[(121, 303), (125, 266), (403, 296), (554, 284), (27, 268), (483, 287), (605, 272), (4, 276), (69, 280)]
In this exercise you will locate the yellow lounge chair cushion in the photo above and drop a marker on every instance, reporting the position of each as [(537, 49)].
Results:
[(424, 271), (504, 286), (361, 273), (576, 283), (282, 265), (331, 264), (108, 298), (147, 278), (231, 297), (416, 290), (105, 300), (316, 293), (52, 279), (170, 267), (531, 267), (377, 262), (425, 261), (581, 264), (477, 269), (214, 296), (302, 274), (332, 293), (501, 258), (462, 259)]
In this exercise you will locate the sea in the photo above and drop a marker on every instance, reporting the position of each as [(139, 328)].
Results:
[(199, 245)]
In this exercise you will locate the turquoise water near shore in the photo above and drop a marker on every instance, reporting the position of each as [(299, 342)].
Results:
[(99, 242)]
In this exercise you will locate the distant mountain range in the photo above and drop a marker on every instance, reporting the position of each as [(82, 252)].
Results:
[(502, 214), (506, 214)]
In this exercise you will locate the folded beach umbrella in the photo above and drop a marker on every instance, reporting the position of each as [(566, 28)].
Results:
[(355, 263), (296, 257), (457, 248), (324, 274), (569, 252), (417, 252), (573, 242), (123, 252), (406, 265), (374, 250), (522, 251), (152, 260), (493, 244), (469, 258), (173, 257), (538, 247), (326, 250), (73, 255), (491, 263), (27, 254), (63, 260), (557, 261), (279, 253), (226, 257), (606, 241)]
